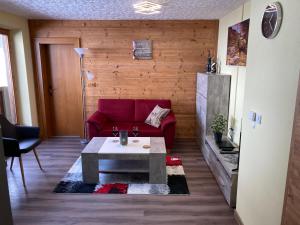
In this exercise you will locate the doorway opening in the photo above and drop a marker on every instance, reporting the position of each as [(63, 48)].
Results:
[(7, 96), (59, 87)]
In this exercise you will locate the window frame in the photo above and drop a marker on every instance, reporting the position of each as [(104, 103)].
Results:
[(11, 79)]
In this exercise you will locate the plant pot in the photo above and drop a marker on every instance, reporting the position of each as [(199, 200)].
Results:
[(218, 137)]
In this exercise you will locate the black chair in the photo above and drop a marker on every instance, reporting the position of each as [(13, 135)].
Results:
[(18, 140)]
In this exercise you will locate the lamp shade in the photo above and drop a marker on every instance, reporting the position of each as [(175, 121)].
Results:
[(80, 51), (90, 75)]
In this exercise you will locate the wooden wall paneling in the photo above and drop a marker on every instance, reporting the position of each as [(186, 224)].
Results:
[(291, 212), (180, 50)]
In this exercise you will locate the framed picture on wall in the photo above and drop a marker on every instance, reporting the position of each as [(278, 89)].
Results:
[(237, 44), (142, 49)]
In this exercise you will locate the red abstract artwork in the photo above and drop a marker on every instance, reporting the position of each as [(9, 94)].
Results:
[(237, 44)]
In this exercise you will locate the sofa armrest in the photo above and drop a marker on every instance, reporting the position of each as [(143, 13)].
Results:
[(24, 132), (98, 119), (168, 127), (168, 120)]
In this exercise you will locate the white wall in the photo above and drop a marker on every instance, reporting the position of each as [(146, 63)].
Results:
[(22, 67), (238, 73), (271, 83)]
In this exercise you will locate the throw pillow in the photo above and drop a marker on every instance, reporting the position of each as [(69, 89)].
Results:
[(156, 116)]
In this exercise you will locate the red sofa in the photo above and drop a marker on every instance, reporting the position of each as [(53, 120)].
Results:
[(126, 113)]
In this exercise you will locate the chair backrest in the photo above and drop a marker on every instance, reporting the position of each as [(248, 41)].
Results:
[(8, 129)]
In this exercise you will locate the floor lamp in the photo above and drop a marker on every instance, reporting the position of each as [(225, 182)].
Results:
[(90, 76)]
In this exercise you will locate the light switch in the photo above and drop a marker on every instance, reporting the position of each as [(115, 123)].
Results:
[(258, 119), (252, 116)]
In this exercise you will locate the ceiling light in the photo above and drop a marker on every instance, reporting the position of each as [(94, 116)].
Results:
[(147, 7)]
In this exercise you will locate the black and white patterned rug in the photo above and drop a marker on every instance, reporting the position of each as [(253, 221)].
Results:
[(129, 183)]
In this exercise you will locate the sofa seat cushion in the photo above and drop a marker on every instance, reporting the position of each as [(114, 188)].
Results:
[(106, 131), (146, 130)]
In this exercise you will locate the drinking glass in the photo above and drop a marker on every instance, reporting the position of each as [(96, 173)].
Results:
[(115, 133), (135, 132)]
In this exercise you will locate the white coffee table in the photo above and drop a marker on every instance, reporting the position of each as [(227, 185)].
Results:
[(103, 148)]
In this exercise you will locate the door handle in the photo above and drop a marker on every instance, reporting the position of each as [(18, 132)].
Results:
[(50, 90)]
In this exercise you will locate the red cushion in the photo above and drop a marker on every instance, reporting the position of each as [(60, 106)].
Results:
[(144, 107), (146, 130), (173, 161), (118, 110)]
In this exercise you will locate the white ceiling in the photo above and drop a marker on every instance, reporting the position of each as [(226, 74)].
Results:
[(118, 9)]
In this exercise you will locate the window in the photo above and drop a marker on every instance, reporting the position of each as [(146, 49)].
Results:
[(7, 98), (3, 63)]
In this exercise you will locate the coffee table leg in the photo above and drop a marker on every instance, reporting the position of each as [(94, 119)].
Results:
[(157, 169), (90, 168)]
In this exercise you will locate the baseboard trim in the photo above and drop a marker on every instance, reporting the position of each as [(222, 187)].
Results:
[(238, 218)]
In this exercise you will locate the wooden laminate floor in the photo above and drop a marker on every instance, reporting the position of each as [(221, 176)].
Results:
[(39, 206)]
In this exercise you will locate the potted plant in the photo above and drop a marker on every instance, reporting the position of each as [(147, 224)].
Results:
[(218, 126)]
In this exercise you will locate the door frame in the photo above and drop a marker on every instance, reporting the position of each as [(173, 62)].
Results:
[(293, 148), (40, 77)]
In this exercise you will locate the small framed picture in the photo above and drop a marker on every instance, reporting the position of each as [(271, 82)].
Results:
[(142, 49)]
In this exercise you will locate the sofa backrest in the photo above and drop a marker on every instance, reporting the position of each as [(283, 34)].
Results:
[(119, 110), (143, 107), (129, 110)]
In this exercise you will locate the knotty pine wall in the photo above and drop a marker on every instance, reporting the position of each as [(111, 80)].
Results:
[(180, 49)]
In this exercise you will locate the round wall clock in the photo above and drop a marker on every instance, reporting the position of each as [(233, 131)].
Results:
[(271, 20)]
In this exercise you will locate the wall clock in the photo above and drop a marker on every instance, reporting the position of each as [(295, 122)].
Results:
[(271, 20)]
